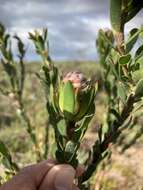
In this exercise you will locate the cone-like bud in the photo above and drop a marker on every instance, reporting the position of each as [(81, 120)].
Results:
[(76, 78), (76, 94)]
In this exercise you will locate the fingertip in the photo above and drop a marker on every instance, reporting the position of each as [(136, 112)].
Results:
[(64, 178), (60, 177)]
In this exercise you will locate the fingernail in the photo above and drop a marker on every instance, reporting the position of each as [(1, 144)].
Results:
[(64, 178)]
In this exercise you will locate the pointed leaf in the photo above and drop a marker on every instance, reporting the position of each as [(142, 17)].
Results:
[(137, 75), (139, 89), (61, 97), (122, 92), (67, 99), (86, 122), (62, 128), (87, 98), (125, 59), (134, 7), (4, 151), (134, 33), (53, 98), (139, 53), (115, 14), (70, 150)]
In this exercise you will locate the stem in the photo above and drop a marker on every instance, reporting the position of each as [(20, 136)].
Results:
[(128, 107), (30, 130), (27, 121), (133, 141), (109, 138), (22, 76), (119, 36), (70, 129), (46, 140)]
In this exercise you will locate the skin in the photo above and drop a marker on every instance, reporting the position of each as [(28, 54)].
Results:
[(43, 176)]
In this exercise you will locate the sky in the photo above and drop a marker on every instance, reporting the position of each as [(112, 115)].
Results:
[(72, 24)]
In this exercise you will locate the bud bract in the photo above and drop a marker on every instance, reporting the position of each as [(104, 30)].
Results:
[(76, 78), (76, 94)]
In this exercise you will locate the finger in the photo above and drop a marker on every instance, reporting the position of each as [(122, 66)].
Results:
[(30, 177), (80, 170), (38, 171), (60, 177)]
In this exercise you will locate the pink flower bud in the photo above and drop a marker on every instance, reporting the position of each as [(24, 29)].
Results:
[(76, 78)]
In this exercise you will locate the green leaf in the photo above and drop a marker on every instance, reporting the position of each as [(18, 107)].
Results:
[(115, 14), (86, 121), (134, 7), (20, 46), (6, 39), (70, 150), (83, 155), (4, 151), (7, 160), (61, 97), (2, 29), (139, 89), (40, 43), (114, 69), (121, 90), (45, 34), (105, 129), (67, 99), (125, 59), (139, 53), (77, 135), (87, 98), (115, 113), (54, 76), (134, 33), (62, 127), (53, 99), (137, 75), (70, 147), (53, 149)]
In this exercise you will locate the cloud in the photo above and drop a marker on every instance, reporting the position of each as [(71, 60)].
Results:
[(73, 25)]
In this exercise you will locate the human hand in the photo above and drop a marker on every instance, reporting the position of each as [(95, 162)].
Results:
[(43, 176)]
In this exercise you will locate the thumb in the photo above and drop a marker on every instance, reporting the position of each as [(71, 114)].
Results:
[(60, 177)]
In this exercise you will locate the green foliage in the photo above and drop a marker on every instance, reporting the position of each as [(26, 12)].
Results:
[(70, 99), (116, 14), (125, 59), (120, 69), (16, 73), (7, 160), (133, 7), (133, 36), (139, 89), (67, 100), (122, 11), (66, 106)]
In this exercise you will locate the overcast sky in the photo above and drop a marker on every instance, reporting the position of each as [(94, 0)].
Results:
[(72, 24)]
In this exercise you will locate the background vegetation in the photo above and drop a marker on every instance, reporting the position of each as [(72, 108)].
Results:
[(113, 142), (124, 170)]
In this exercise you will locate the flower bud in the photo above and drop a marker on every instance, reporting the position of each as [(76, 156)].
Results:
[(75, 96), (76, 78)]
